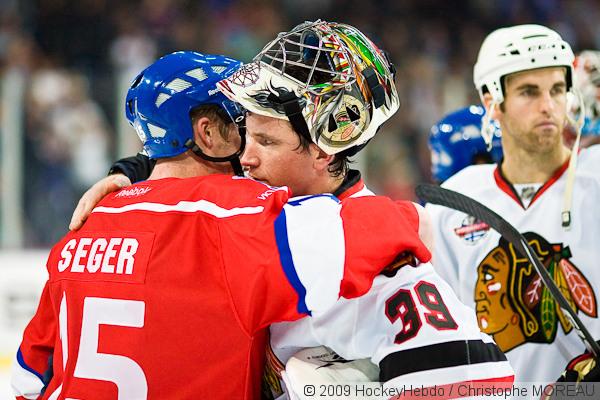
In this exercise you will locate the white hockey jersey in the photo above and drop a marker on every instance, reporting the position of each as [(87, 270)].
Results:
[(410, 324), (511, 302)]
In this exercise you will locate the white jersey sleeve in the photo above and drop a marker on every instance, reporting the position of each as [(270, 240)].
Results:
[(464, 228)]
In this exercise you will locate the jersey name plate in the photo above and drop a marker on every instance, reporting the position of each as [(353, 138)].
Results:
[(103, 256)]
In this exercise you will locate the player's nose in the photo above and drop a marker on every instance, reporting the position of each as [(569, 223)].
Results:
[(546, 102), (249, 157)]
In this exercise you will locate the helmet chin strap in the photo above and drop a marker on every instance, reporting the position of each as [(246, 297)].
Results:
[(568, 194), (234, 158), (487, 130)]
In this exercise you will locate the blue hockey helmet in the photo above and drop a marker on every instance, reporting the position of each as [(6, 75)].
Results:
[(456, 142), (591, 127), (160, 99)]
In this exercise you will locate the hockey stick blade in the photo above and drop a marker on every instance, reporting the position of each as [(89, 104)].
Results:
[(448, 198)]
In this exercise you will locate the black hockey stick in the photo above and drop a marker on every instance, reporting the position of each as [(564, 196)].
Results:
[(448, 198)]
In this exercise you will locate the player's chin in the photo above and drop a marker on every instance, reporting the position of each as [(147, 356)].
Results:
[(547, 137), (546, 130)]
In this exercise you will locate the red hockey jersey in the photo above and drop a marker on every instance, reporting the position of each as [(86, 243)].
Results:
[(166, 291)]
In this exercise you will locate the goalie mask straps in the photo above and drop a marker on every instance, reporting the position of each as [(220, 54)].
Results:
[(293, 110), (568, 193)]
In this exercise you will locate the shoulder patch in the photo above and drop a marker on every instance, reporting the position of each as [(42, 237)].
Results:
[(471, 230)]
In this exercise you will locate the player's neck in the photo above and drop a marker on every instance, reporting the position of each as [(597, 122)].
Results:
[(187, 166), (327, 184), (521, 166)]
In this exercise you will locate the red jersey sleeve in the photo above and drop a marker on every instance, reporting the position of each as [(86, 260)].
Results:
[(32, 369), (307, 252), (377, 230)]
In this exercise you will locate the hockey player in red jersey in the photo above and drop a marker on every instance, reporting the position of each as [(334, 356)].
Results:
[(167, 290), (408, 347)]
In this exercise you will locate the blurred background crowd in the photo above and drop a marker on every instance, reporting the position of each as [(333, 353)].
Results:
[(65, 66)]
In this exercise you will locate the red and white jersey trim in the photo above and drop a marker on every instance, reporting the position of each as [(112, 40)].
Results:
[(183, 206)]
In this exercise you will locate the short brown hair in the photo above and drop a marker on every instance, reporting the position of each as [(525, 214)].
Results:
[(338, 167), (216, 114)]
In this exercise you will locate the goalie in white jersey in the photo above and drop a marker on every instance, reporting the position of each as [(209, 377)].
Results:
[(410, 324), (523, 74)]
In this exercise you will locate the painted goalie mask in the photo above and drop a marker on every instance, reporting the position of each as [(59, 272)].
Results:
[(329, 80)]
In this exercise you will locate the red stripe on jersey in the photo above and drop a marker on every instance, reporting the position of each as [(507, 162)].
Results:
[(465, 230), (557, 174), (505, 186), (459, 390), (357, 187)]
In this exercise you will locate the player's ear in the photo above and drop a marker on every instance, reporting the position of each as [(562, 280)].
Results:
[(321, 160), (487, 103), (203, 133)]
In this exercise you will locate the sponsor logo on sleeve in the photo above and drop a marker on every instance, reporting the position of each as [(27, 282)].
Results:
[(133, 192)]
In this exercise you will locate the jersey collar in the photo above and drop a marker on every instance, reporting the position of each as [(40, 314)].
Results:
[(352, 183), (510, 190)]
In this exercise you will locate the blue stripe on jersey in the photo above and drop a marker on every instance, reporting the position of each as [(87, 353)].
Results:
[(298, 200), (27, 367), (285, 256)]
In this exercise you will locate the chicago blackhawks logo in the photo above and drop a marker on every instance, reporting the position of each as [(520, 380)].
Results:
[(346, 118), (512, 303)]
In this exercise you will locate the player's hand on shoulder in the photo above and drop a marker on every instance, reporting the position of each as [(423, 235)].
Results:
[(93, 195)]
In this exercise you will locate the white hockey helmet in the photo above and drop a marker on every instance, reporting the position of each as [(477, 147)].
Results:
[(328, 79), (515, 49)]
